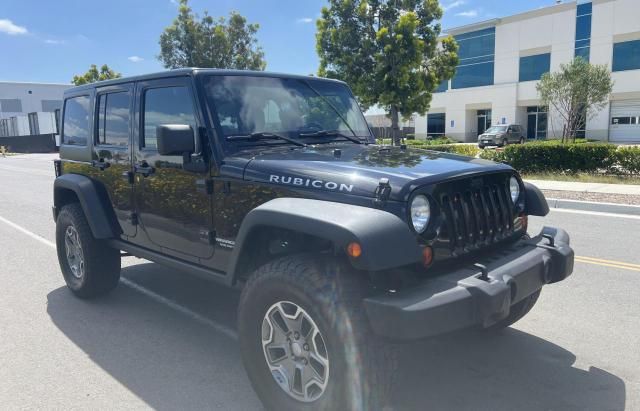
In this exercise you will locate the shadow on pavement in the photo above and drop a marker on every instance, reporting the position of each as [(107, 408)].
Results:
[(510, 370), (171, 361)]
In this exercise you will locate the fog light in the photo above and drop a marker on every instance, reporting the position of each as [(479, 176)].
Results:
[(354, 250), (427, 256)]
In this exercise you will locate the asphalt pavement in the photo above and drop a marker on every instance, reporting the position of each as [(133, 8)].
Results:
[(165, 340)]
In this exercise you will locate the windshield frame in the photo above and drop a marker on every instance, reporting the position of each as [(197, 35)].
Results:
[(229, 147)]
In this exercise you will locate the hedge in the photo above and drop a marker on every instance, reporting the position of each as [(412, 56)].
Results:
[(555, 157), (468, 150)]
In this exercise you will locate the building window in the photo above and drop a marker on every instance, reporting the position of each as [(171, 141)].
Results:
[(168, 105), (443, 86), (75, 122), (12, 105), (436, 124), (50, 106), (113, 119), (626, 55), (476, 53), (583, 30), (533, 67)]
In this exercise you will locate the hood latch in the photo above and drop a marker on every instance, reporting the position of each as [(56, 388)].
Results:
[(383, 191)]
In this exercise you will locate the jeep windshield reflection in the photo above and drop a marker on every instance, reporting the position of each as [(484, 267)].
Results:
[(285, 110)]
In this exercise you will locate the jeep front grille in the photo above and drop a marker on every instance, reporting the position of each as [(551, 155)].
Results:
[(477, 217)]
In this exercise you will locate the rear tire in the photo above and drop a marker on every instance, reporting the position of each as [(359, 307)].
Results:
[(480, 146), (90, 267), (518, 310), (360, 366)]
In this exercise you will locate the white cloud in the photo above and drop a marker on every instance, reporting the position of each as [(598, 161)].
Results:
[(7, 26), (54, 42), (453, 5), (135, 59), (468, 13), (305, 20)]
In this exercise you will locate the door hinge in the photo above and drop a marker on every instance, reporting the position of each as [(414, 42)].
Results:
[(383, 190), (208, 237), (205, 185), (134, 219)]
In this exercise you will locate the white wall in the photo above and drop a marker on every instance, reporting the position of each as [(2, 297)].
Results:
[(31, 102)]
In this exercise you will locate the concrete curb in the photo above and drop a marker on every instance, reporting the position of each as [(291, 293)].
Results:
[(610, 208)]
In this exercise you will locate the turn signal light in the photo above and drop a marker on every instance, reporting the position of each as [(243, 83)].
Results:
[(427, 256), (354, 250)]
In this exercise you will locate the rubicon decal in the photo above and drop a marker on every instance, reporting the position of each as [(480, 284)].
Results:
[(309, 182)]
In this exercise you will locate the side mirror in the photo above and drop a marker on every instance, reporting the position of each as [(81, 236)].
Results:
[(175, 139)]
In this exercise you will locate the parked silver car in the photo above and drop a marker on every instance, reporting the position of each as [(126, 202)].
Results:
[(500, 135)]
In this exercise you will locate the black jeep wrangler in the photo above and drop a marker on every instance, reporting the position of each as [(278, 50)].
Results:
[(274, 183)]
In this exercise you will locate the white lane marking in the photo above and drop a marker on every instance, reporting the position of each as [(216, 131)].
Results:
[(596, 213), (142, 290), (27, 232), (593, 202), (183, 310)]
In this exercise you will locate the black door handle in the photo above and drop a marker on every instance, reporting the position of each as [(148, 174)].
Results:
[(145, 169), (100, 164)]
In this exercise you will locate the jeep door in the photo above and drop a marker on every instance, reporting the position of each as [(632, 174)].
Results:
[(174, 211), (111, 164)]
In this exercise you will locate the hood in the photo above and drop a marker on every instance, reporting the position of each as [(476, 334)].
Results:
[(354, 169)]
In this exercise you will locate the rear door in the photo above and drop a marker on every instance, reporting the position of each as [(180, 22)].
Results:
[(112, 150), (173, 209)]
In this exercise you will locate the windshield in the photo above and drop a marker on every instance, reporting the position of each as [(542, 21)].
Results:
[(496, 129), (245, 105)]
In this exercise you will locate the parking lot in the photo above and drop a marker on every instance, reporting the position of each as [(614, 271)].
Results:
[(165, 340)]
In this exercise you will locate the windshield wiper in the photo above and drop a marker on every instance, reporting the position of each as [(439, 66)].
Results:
[(262, 135), (331, 133)]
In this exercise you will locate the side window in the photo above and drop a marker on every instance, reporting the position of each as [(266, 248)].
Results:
[(167, 105), (76, 121), (113, 119)]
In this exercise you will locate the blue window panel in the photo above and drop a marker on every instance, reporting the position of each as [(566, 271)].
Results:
[(533, 67), (444, 86), (583, 9), (436, 124), (583, 27), (626, 55), (583, 52), (582, 43), (476, 47), (473, 60), (473, 76)]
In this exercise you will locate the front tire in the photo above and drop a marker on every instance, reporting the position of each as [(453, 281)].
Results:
[(90, 267), (352, 369)]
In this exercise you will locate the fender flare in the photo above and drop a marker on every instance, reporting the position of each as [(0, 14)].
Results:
[(386, 240), (534, 202), (91, 201)]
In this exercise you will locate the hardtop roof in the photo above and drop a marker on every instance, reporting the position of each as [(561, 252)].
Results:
[(190, 72)]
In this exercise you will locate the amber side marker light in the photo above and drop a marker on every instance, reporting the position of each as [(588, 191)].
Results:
[(427, 256), (354, 250)]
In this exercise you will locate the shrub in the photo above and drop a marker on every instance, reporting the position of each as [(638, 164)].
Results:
[(628, 160)]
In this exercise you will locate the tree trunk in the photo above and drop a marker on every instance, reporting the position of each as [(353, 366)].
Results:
[(395, 129)]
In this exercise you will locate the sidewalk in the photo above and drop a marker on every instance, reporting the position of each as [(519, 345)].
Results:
[(626, 189)]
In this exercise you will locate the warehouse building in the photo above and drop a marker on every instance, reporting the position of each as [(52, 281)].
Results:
[(30, 108), (501, 61)]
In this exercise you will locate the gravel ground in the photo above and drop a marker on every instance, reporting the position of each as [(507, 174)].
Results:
[(599, 197)]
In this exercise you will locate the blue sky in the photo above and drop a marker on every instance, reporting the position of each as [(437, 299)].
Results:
[(50, 41)]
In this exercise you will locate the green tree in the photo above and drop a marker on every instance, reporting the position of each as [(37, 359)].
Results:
[(217, 43), (388, 51), (576, 93), (93, 75)]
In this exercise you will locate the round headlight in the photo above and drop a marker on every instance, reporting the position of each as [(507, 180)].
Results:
[(420, 213), (514, 188)]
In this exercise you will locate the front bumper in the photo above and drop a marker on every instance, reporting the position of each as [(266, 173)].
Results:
[(467, 298)]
